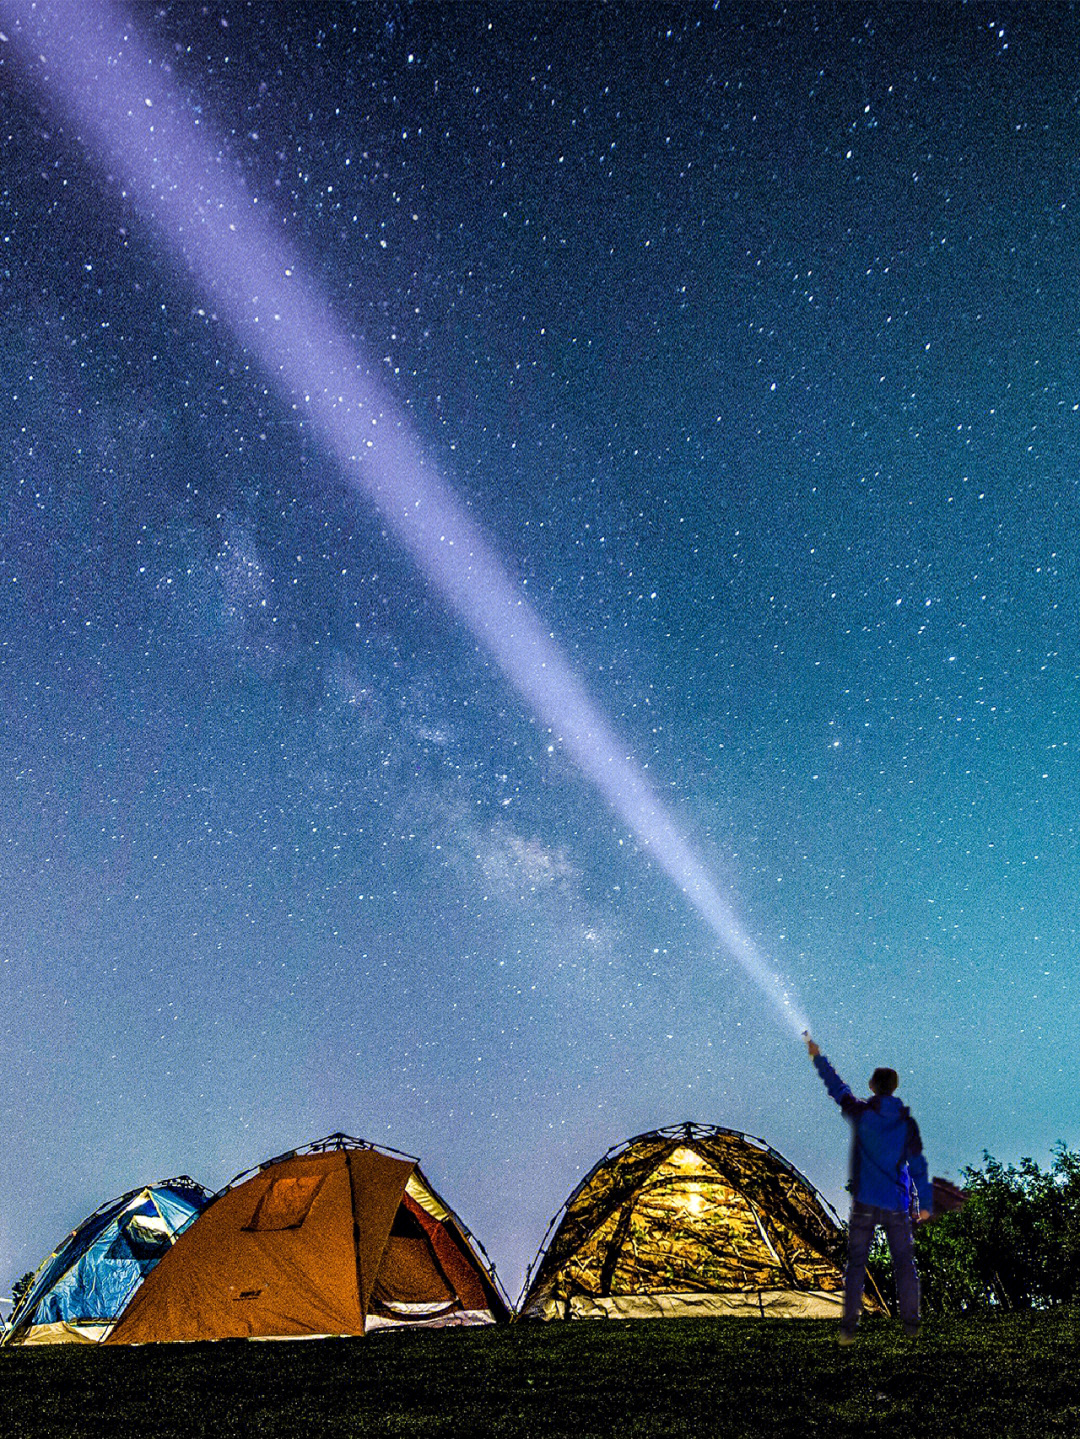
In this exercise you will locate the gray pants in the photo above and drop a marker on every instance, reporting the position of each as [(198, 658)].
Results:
[(865, 1218)]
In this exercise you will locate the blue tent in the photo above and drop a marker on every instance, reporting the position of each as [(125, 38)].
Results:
[(82, 1289)]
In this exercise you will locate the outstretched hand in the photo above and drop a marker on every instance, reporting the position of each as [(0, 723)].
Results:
[(812, 1049)]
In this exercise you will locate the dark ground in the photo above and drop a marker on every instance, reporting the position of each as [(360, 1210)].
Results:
[(1010, 1376)]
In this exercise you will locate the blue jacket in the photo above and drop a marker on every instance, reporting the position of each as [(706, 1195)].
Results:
[(886, 1152)]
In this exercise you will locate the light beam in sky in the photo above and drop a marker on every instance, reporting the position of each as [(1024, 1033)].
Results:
[(127, 109)]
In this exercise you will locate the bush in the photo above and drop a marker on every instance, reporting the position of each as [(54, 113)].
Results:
[(19, 1288), (1014, 1245)]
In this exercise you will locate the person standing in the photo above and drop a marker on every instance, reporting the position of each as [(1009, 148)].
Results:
[(889, 1181)]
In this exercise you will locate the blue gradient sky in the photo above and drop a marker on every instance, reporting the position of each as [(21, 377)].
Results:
[(751, 339)]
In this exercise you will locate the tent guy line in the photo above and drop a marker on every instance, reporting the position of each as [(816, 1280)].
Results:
[(128, 111)]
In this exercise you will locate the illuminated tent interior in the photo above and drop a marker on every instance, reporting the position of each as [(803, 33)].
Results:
[(80, 1291), (690, 1220), (336, 1238)]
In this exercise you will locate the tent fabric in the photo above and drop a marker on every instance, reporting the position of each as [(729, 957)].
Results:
[(80, 1291), (691, 1219), (312, 1244), (761, 1304)]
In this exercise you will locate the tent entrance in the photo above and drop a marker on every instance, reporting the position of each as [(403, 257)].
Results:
[(411, 1283)]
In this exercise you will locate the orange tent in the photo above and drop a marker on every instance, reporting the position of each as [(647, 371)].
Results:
[(335, 1238)]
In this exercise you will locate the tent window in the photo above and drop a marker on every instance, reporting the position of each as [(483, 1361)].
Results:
[(286, 1204), (147, 1234)]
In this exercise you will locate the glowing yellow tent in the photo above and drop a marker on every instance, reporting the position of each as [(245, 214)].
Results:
[(690, 1220)]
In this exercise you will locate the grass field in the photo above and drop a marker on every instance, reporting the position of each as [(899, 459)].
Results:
[(1003, 1377)]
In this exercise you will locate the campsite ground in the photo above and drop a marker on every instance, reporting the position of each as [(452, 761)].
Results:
[(1013, 1377)]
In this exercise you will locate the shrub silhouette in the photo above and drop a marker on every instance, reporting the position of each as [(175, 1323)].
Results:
[(1015, 1244)]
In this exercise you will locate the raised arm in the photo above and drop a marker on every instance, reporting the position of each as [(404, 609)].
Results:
[(838, 1090)]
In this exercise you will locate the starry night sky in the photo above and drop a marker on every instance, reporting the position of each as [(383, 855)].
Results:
[(750, 336)]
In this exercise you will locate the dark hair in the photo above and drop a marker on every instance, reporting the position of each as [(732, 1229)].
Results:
[(884, 1081)]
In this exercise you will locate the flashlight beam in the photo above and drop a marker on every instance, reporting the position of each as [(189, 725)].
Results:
[(132, 115)]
